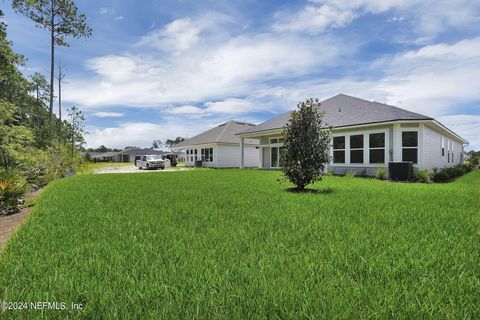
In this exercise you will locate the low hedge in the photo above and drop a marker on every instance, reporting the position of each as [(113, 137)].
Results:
[(448, 174)]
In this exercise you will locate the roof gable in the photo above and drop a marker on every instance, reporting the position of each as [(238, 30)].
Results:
[(224, 133)]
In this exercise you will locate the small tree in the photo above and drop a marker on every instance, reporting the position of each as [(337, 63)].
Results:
[(171, 142), (76, 129), (306, 145), (157, 144)]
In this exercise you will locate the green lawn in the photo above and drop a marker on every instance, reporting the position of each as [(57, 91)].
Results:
[(233, 244)]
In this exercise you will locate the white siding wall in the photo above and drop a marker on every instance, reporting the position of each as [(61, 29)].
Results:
[(229, 156), (224, 156), (432, 146), (191, 158)]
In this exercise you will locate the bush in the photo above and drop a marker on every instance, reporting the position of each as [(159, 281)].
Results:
[(349, 173), (381, 173), (447, 174), (306, 145), (42, 166), (12, 188), (424, 176)]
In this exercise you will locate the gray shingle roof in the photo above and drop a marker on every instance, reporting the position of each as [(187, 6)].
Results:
[(343, 111), (224, 133), (141, 152)]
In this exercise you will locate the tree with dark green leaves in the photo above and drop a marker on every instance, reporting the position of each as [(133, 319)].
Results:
[(157, 144), (171, 142), (306, 144), (61, 19), (76, 129), (41, 91)]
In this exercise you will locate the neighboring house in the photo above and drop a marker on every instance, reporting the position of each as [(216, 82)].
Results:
[(219, 147), (126, 155), (367, 135)]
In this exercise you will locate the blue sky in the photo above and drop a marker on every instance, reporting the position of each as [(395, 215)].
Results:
[(160, 69)]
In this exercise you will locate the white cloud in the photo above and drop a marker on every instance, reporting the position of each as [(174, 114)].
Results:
[(231, 68), (315, 19), (467, 126), (103, 114), (185, 110), (231, 106), (428, 18), (141, 134), (183, 34), (106, 10)]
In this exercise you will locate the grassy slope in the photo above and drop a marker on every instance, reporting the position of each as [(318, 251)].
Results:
[(231, 244)]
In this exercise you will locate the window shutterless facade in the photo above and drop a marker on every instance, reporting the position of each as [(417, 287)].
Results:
[(356, 148), (410, 146), (339, 149), (207, 154), (276, 149), (376, 146)]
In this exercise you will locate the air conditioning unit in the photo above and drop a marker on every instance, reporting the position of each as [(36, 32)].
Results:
[(400, 171)]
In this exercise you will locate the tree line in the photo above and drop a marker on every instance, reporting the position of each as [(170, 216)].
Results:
[(35, 142)]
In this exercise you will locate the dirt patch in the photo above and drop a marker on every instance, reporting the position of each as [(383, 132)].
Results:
[(8, 224)]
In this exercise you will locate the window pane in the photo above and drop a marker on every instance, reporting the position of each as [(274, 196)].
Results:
[(410, 139), (338, 156), (377, 156), (356, 156), (377, 140), (338, 142), (273, 140), (274, 157), (410, 154), (356, 142)]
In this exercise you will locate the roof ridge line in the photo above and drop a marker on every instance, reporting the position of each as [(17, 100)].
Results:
[(223, 130)]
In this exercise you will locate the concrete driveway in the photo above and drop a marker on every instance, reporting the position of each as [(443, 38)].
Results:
[(132, 169)]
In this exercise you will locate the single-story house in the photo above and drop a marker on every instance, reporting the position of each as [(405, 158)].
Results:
[(219, 147), (128, 154), (367, 135)]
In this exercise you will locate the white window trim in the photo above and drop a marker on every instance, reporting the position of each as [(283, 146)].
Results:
[(354, 149), (366, 148), (271, 145), (347, 144), (419, 143)]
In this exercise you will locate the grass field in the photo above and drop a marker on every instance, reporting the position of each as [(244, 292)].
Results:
[(232, 244)]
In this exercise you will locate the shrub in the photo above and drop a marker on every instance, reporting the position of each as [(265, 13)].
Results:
[(42, 166), (349, 173), (381, 173), (447, 174), (424, 176), (12, 188), (306, 145)]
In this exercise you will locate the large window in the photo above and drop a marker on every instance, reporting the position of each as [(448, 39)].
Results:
[(207, 154), (410, 146), (356, 148), (338, 149), (376, 144), (275, 156)]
